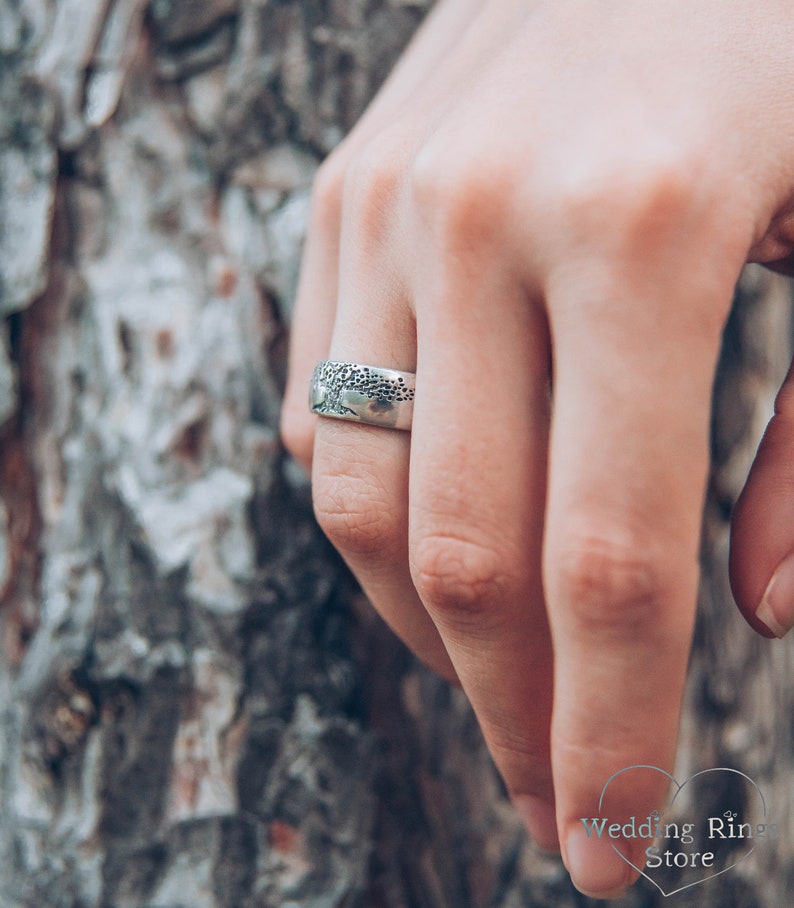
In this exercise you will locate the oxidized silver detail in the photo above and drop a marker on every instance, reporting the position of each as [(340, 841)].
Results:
[(379, 397)]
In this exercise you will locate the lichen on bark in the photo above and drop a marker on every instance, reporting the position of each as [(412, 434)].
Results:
[(197, 706)]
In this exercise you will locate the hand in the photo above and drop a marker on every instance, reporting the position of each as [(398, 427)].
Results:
[(544, 214)]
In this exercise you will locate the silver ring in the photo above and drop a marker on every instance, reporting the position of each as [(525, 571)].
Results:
[(369, 394)]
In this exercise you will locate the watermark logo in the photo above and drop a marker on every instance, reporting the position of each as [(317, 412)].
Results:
[(690, 841)]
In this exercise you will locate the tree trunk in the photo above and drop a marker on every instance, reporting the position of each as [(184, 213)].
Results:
[(197, 706)]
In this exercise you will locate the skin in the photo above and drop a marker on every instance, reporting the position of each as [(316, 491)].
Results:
[(543, 214)]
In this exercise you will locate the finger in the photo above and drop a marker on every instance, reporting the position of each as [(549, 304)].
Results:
[(443, 52), (315, 304), (315, 310), (438, 38), (360, 480), (762, 527), (360, 472), (634, 361), (476, 499)]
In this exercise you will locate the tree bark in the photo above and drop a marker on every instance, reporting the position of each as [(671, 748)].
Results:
[(197, 706)]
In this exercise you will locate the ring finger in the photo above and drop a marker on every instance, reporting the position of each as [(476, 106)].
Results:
[(360, 472)]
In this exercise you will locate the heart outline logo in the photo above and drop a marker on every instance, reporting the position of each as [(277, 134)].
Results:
[(679, 787)]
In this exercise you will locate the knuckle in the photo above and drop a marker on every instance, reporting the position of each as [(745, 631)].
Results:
[(642, 197), (457, 577), (353, 511), (611, 589), (328, 190), (661, 193), (460, 199), (431, 180), (373, 180)]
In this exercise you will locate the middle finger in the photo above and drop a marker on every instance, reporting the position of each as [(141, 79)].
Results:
[(477, 491)]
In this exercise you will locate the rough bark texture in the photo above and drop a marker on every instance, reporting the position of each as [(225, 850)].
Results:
[(196, 706)]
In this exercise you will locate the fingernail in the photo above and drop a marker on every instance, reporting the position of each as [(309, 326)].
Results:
[(776, 610), (595, 867), (540, 819)]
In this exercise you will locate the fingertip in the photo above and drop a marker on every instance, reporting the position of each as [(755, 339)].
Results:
[(539, 817), (762, 535), (766, 624), (761, 624), (775, 612), (597, 868)]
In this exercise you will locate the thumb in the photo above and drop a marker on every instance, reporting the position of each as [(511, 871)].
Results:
[(762, 528)]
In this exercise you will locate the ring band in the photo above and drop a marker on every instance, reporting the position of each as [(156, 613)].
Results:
[(368, 394)]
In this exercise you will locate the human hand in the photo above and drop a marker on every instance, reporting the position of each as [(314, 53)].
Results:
[(543, 215)]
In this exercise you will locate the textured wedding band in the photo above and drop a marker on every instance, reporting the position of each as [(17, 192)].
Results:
[(369, 394)]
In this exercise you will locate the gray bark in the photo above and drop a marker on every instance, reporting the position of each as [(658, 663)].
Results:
[(197, 707)]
